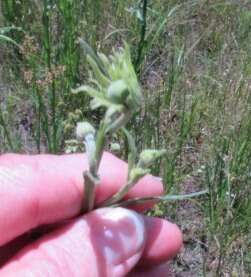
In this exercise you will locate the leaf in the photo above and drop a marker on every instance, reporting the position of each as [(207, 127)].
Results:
[(8, 39), (91, 91), (101, 78), (99, 99), (164, 198), (99, 102), (89, 51), (136, 12), (4, 30), (149, 156), (132, 156)]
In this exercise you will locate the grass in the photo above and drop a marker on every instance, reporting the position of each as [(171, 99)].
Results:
[(6, 133), (194, 63)]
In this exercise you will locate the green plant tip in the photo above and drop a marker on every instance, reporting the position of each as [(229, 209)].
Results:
[(137, 173), (149, 156), (115, 147)]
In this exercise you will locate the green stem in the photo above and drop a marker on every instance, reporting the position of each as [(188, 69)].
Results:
[(39, 125), (48, 52), (42, 119), (53, 112), (132, 150), (90, 183), (141, 200), (6, 132), (119, 122), (100, 143), (119, 195), (141, 44), (91, 179)]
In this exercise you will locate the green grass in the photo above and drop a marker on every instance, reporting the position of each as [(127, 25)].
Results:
[(6, 134), (193, 60)]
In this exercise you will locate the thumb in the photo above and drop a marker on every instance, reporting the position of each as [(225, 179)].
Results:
[(105, 242)]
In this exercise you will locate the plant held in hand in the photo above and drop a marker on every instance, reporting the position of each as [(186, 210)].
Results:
[(114, 87)]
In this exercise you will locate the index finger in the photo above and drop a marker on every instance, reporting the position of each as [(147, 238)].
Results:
[(43, 189)]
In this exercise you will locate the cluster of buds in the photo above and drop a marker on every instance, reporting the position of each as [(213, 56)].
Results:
[(114, 87)]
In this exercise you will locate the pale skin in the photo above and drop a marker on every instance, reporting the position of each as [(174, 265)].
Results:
[(44, 193)]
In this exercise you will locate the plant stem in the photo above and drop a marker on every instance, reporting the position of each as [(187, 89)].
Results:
[(48, 51), (119, 122), (90, 183), (91, 177), (119, 195), (160, 198), (141, 44), (39, 122), (100, 143), (6, 132), (94, 152)]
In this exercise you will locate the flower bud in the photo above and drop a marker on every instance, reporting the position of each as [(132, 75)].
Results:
[(115, 147), (84, 129), (117, 92), (149, 156), (137, 173), (78, 113)]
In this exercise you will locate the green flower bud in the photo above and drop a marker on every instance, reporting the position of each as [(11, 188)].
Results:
[(84, 129), (137, 173), (78, 113), (115, 147), (121, 68), (117, 92), (149, 156)]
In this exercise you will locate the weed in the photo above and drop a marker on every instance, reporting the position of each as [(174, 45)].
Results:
[(193, 61)]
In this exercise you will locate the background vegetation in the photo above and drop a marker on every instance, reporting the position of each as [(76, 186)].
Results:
[(194, 62)]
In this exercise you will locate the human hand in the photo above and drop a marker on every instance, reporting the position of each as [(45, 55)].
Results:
[(42, 195)]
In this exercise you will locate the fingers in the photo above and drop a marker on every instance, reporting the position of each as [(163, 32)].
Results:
[(164, 239), (10, 249), (106, 242), (36, 190)]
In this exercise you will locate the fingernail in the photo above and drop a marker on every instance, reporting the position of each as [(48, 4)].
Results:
[(123, 233)]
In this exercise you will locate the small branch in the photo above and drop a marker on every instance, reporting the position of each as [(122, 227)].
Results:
[(118, 196), (134, 176)]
